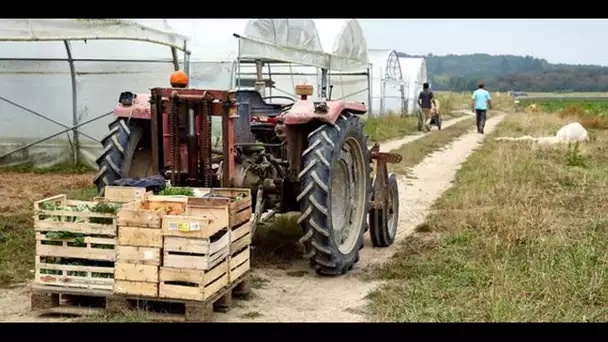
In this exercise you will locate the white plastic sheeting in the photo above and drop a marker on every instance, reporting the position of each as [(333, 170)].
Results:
[(387, 84), (295, 50), (396, 82), (414, 74), (35, 76), (345, 41)]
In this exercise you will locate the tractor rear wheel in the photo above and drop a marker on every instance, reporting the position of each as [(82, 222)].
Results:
[(125, 155), (383, 222), (335, 197)]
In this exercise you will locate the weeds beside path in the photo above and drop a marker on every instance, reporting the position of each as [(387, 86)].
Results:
[(20, 190), (521, 236)]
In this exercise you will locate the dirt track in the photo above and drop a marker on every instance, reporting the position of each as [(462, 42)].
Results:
[(307, 297)]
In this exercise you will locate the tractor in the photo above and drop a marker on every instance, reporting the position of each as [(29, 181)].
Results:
[(306, 156)]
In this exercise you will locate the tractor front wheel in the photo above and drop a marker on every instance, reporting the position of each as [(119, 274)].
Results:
[(335, 197), (125, 154)]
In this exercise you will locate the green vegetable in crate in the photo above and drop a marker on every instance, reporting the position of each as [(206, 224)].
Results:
[(53, 207), (177, 191), (103, 208)]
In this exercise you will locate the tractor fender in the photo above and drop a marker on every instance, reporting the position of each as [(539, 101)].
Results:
[(303, 111), (140, 109)]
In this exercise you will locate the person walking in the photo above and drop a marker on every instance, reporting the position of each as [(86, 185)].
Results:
[(482, 101), (426, 101)]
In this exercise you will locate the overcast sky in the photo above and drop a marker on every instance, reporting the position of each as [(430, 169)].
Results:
[(558, 40)]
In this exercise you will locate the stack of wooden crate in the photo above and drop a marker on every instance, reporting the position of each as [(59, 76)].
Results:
[(198, 245), (74, 245), (140, 242)]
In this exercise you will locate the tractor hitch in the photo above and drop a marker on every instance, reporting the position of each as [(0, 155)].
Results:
[(381, 185)]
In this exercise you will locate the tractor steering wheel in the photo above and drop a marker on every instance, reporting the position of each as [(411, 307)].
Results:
[(285, 106)]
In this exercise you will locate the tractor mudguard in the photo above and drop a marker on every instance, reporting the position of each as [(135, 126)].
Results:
[(138, 109), (303, 111)]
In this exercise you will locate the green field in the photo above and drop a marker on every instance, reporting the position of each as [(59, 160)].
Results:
[(586, 105)]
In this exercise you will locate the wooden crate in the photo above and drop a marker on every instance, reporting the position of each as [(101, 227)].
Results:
[(191, 284), (148, 212), (140, 237), (239, 264), (72, 221), (83, 258), (224, 211), (196, 253), (138, 255), (136, 272), (125, 194), (240, 238)]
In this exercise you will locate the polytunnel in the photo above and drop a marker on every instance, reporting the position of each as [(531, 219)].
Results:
[(234, 53), (414, 74), (350, 63), (280, 52), (388, 88), (61, 79)]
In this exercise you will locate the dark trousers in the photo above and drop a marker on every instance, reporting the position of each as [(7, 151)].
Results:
[(481, 119)]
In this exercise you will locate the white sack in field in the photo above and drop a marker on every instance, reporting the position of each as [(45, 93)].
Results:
[(571, 132)]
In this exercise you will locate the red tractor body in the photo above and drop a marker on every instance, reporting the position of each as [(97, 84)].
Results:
[(309, 156)]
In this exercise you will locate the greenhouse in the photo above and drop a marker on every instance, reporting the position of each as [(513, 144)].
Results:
[(61, 79), (396, 82), (413, 73), (69, 72)]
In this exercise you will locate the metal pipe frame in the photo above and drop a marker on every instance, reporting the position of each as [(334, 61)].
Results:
[(75, 148), (75, 125), (56, 134)]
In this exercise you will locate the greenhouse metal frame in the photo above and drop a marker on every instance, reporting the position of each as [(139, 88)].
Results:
[(66, 31)]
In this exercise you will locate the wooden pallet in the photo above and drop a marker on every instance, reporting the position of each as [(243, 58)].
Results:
[(85, 261), (78, 302), (166, 309), (68, 301)]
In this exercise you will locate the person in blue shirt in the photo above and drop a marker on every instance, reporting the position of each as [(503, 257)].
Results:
[(482, 101)]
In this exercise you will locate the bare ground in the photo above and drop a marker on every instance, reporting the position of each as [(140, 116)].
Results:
[(297, 294)]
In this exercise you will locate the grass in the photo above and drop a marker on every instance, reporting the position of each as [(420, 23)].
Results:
[(21, 189), (394, 125), (276, 242), (127, 316), (389, 126), (521, 236), (62, 168), (414, 152)]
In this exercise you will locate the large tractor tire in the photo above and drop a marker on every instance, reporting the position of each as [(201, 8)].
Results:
[(336, 189), (383, 222), (123, 154)]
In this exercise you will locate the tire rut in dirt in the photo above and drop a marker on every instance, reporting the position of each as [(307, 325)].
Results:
[(319, 159), (118, 149)]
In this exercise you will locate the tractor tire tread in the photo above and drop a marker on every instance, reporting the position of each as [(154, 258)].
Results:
[(315, 180)]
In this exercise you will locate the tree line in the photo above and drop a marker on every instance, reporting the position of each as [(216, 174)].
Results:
[(510, 72)]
